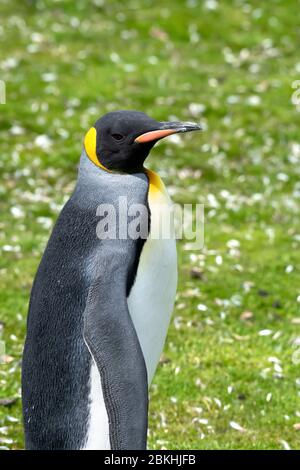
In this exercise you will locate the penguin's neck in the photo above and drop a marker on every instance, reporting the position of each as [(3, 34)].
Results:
[(94, 177), (95, 185), (88, 171)]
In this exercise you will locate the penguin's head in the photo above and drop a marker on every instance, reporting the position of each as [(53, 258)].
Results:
[(121, 140)]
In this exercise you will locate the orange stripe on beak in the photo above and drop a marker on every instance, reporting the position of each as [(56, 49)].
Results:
[(154, 135)]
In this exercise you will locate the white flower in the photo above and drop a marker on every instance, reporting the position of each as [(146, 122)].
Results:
[(49, 77), (278, 368), (285, 445), (282, 177), (37, 37), (14, 249), (114, 57), (274, 360), (265, 332), (16, 130), (46, 222), (211, 4), (233, 99), (201, 307), (196, 108), (43, 141), (129, 68), (219, 260), (269, 397), (233, 243), (212, 201), (17, 212), (175, 139), (254, 100), (10, 63), (153, 60), (203, 421), (236, 426)]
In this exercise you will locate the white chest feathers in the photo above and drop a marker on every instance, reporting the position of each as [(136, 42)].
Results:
[(152, 296), (98, 429), (151, 299)]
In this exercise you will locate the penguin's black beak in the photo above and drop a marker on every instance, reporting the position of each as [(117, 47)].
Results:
[(167, 128)]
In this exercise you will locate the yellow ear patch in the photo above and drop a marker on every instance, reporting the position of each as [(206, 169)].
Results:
[(90, 143)]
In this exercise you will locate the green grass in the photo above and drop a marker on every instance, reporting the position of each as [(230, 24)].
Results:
[(161, 57)]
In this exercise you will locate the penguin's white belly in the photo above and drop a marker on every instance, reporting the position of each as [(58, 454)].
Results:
[(98, 429), (152, 296)]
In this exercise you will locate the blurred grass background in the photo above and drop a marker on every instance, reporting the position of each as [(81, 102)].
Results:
[(229, 376)]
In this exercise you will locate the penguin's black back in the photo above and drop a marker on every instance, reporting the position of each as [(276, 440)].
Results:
[(56, 361)]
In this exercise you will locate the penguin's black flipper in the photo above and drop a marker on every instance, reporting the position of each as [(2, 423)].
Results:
[(114, 345)]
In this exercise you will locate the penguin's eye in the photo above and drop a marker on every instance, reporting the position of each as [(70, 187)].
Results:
[(117, 136)]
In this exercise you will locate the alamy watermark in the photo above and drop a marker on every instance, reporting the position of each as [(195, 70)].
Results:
[(2, 92), (124, 220)]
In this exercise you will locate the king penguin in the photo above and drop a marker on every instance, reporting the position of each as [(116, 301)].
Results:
[(100, 307)]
